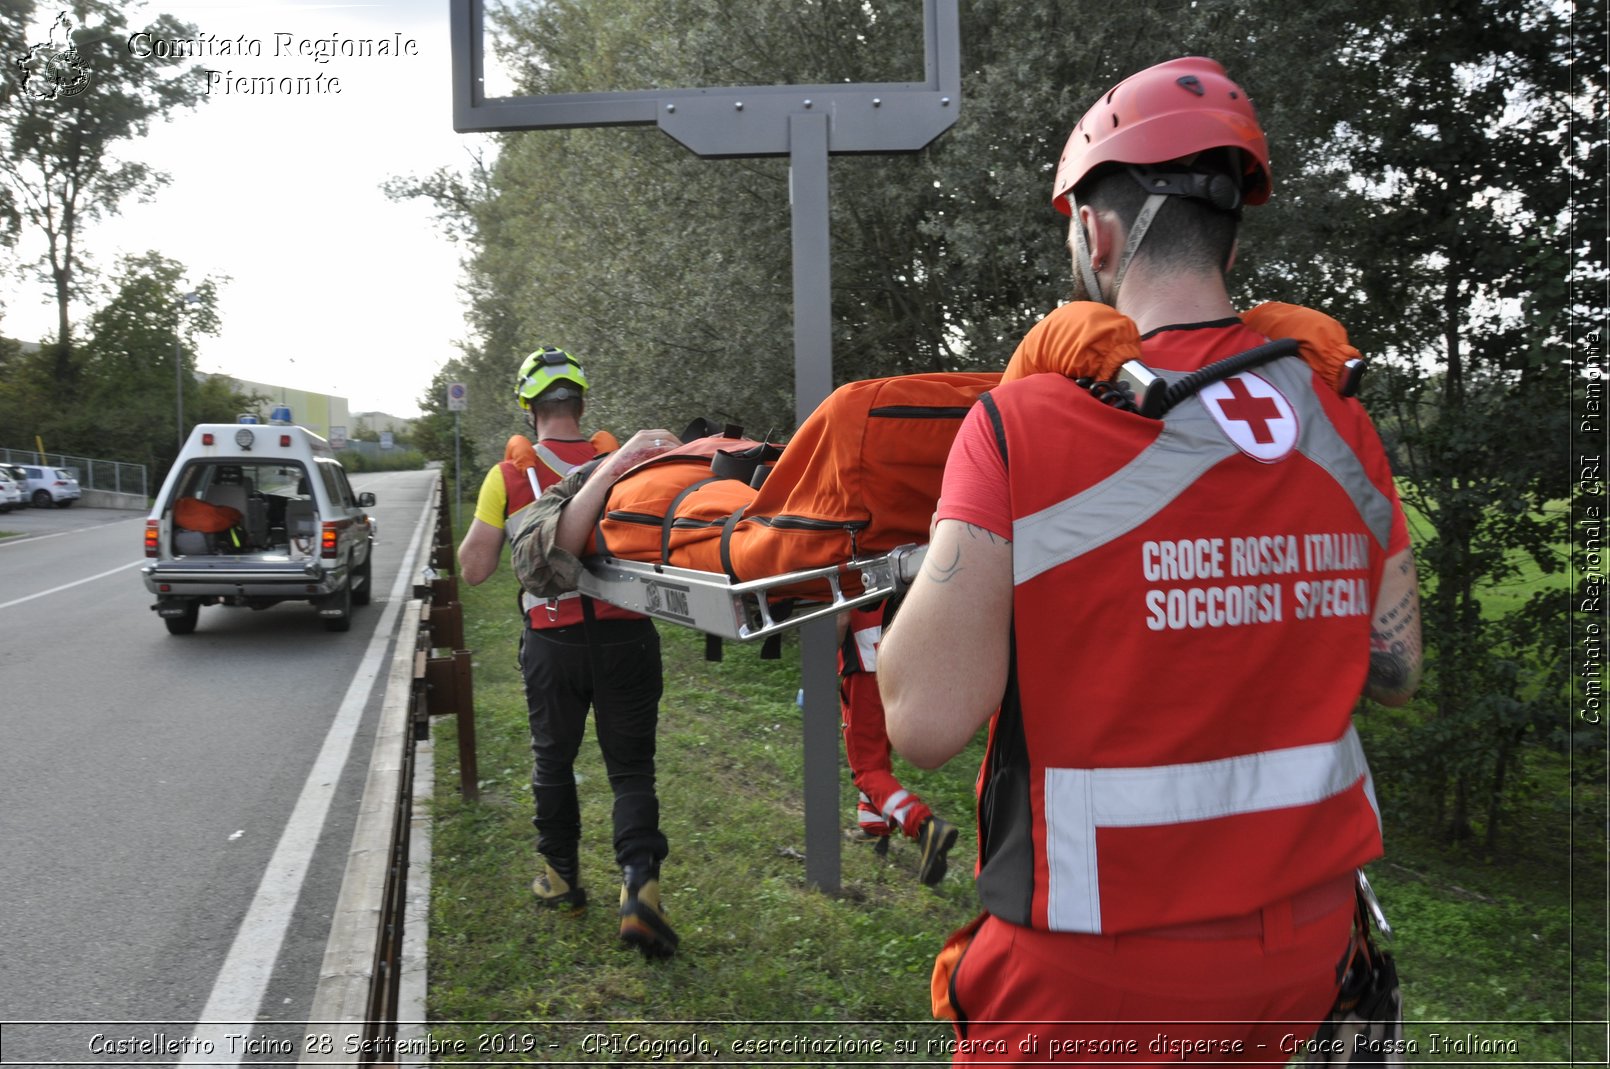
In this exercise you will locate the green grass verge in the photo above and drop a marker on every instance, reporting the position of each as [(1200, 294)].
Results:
[(1476, 942)]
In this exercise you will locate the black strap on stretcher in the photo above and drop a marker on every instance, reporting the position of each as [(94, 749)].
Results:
[(669, 518), (749, 466)]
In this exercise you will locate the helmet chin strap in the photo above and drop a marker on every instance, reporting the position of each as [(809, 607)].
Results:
[(1137, 232)]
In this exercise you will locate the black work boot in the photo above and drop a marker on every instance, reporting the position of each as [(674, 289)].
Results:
[(558, 885), (643, 923), (934, 840)]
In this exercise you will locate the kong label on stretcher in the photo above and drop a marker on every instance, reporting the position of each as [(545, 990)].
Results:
[(1271, 579), (667, 599)]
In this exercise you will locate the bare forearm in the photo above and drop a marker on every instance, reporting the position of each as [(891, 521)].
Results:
[(479, 552), (942, 665), (549, 544), (1395, 649), (581, 513)]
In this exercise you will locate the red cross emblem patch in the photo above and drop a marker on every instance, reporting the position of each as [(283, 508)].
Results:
[(1255, 416)]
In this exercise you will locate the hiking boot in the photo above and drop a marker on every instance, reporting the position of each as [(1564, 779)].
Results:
[(934, 840), (554, 891), (643, 923)]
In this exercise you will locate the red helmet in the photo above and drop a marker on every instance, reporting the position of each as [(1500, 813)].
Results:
[(1166, 112)]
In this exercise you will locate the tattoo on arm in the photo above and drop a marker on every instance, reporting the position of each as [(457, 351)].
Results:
[(984, 533), (944, 573), (1395, 646), (1388, 674)]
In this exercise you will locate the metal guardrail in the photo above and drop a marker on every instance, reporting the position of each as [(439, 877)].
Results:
[(430, 676)]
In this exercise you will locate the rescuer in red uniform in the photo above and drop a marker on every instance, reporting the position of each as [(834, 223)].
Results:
[(885, 806), (1166, 624)]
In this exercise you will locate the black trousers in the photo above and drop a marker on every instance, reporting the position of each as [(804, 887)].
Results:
[(620, 676)]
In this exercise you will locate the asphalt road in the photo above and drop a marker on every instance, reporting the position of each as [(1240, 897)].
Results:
[(148, 780)]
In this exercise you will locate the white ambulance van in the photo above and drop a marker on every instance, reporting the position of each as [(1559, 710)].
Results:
[(255, 514)]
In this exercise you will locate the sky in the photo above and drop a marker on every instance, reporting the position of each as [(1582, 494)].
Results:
[(331, 287)]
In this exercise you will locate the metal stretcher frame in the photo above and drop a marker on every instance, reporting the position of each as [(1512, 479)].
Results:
[(717, 605)]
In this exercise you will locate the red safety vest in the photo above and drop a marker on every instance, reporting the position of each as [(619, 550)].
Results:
[(1191, 620), (556, 458), (862, 637)]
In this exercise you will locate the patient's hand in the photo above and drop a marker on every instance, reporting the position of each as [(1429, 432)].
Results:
[(644, 445)]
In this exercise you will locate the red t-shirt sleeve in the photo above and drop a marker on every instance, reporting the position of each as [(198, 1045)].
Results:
[(974, 490)]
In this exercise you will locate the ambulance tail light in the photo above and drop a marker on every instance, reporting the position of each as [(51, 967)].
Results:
[(328, 540), (153, 537), (206, 437)]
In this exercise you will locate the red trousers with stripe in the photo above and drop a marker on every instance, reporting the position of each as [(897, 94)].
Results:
[(866, 749), (1247, 989)]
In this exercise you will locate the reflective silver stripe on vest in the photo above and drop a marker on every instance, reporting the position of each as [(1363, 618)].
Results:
[(1190, 444), (1322, 443), (1080, 800), (561, 467), (552, 459), (1188, 447)]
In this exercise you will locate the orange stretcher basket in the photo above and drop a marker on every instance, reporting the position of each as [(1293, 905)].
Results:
[(194, 514), (861, 476)]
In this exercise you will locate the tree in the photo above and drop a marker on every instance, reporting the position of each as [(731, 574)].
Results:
[(124, 402), (119, 401), (670, 275), (1450, 143), (64, 114)]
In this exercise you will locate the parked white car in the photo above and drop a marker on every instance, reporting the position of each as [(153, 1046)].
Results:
[(10, 490), (48, 486)]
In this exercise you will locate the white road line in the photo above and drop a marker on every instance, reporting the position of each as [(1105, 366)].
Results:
[(23, 539), (75, 582), (238, 992)]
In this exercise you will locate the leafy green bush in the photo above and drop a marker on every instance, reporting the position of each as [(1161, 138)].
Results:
[(389, 460)]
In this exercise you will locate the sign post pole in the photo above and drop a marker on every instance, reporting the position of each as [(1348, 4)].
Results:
[(457, 401)]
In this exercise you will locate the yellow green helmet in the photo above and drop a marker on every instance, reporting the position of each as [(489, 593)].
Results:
[(544, 371)]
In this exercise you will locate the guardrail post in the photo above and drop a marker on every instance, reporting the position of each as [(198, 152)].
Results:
[(449, 690), (446, 614), (443, 673), (442, 557), (420, 710), (443, 676)]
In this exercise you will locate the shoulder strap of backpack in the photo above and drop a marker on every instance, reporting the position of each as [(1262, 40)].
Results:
[(994, 415)]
